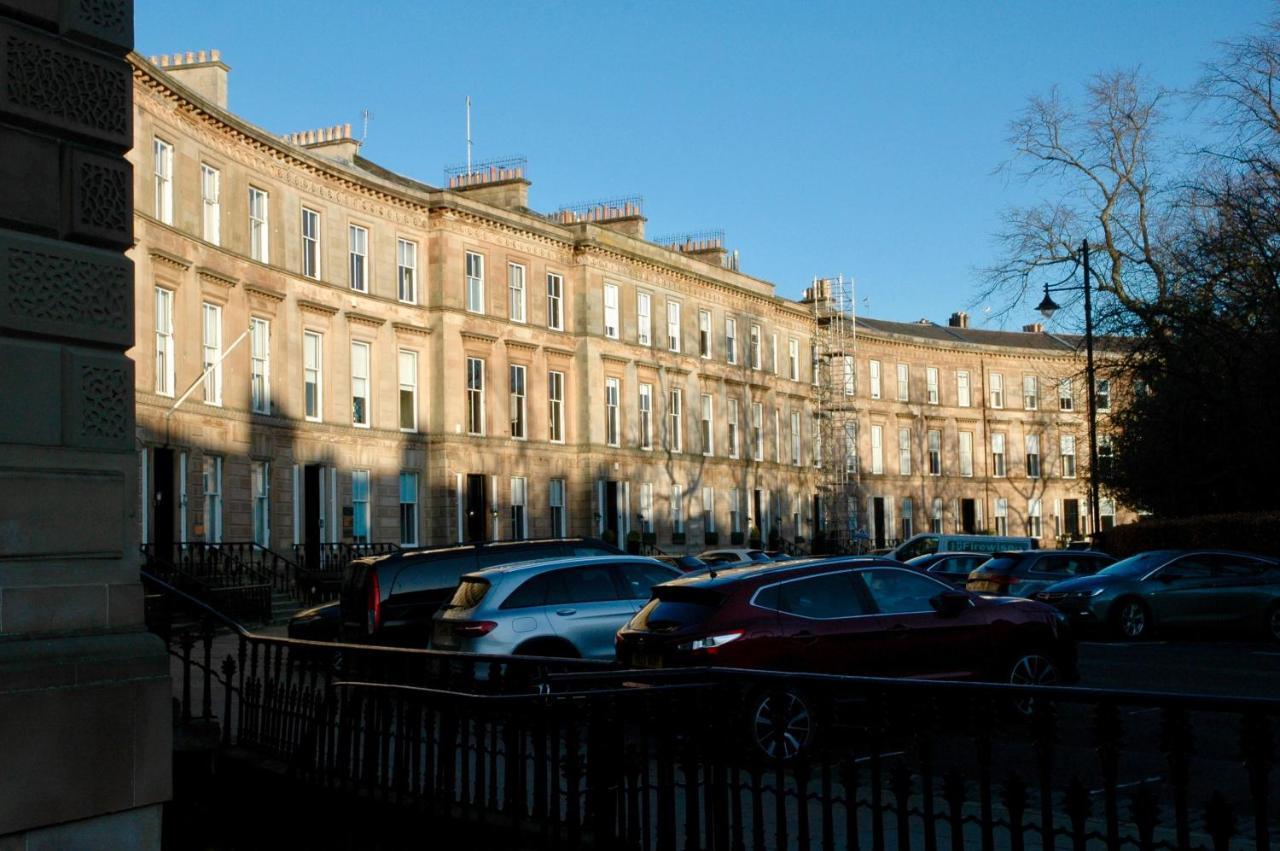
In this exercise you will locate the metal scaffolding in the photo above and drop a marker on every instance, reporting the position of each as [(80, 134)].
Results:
[(836, 432)]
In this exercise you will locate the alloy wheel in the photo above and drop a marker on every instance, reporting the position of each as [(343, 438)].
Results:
[(1133, 620), (785, 737), (1032, 669)]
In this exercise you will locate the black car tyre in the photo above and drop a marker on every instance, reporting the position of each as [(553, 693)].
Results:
[(1273, 622), (786, 737), (1132, 620), (1032, 668)]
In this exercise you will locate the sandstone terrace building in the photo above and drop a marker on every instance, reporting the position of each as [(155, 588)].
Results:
[(424, 365)]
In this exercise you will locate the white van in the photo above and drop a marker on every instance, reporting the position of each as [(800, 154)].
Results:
[(929, 542)]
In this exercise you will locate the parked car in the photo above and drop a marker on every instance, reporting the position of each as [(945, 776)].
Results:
[(1149, 591), (932, 542), (683, 563), (952, 568), (391, 599), (318, 623), (733, 555), (1021, 574), (552, 607), (864, 616)]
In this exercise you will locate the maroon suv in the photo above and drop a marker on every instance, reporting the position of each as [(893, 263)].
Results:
[(865, 616)]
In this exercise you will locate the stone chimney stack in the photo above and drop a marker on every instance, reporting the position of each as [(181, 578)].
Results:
[(333, 142), (959, 319), (1034, 328), (202, 72)]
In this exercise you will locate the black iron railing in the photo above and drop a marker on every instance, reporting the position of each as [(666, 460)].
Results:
[(215, 576)]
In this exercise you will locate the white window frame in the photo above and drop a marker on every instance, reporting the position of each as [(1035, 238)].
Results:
[(519, 508), (313, 373), (904, 451), (361, 509), (555, 406), (877, 450), (1030, 393), (675, 411), (677, 509), (211, 204), (1102, 394), (611, 311), (260, 487), (612, 424), (406, 271), (260, 365), (793, 359), (708, 424), (1067, 449), (518, 400), (908, 517), (162, 171), (1001, 516), (361, 378), (704, 334), (674, 342), (933, 444), (555, 502), (407, 369), (795, 438), (965, 439), (874, 368), (936, 516), (516, 302), (735, 511), (850, 375), (996, 380), (999, 468), (1032, 456), (164, 361), (211, 485), (475, 397), (310, 224), (753, 346), (555, 301), (259, 225), (211, 352), (1035, 517), (963, 397), (904, 383), (773, 352), (645, 397), (730, 340), (473, 269), (757, 431), (931, 385), (732, 420), (644, 318), (358, 258), (408, 508), (708, 511)]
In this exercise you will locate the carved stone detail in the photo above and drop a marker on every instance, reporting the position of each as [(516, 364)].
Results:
[(52, 83), (68, 291), (106, 399), (101, 206)]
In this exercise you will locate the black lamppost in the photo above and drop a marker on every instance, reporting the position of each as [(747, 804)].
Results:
[(1047, 308)]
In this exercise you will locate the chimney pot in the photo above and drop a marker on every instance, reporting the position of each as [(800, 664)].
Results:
[(346, 130), (191, 57), (1034, 328), (215, 55), (200, 57)]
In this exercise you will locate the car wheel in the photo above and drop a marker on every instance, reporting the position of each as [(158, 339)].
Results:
[(781, 724), (1032, 668), (1133, 620), (1273, 623)]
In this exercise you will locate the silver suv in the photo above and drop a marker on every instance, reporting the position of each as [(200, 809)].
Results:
[(551, 607)]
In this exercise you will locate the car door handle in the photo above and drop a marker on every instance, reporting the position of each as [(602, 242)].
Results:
[(566, 611), (806, 637)]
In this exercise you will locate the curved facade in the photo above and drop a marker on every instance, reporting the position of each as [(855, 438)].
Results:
[(398, 362)]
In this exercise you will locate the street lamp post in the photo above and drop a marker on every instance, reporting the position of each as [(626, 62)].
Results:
[(1047, 308)]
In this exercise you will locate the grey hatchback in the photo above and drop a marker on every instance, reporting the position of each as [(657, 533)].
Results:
[(552, 607)]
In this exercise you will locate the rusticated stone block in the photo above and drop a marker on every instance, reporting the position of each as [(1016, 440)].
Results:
[(109, 22), (65, 87), (101, 191), (97, 401), (32, 373), (65, 290), (37, 508)]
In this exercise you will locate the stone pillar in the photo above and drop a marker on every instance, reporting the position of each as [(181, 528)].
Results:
[(85, 712)]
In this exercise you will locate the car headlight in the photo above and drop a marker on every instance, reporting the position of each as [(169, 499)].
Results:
[(1096, 591), (710, 642)]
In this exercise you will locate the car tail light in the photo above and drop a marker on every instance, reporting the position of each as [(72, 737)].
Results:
[(375, 604), (473, 629), (1002, 579), (711, 643)]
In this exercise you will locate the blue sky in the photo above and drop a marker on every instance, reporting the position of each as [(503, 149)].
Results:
[(823, 138)]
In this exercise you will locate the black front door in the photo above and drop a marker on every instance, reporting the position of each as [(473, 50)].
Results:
[(968, 516), (163, 499), (1071, 518), (611, 509), (311, 527), (477, 508), (877, 508)]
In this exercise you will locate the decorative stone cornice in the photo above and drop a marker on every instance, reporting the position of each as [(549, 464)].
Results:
[(520, 345), (406, 328), (553, 352), (477, 337), (258, 291), (608, 358), (317, 307), (364, 319), (209, 276), (173, 261)]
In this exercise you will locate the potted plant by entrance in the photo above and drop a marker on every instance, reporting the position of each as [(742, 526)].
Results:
[(711, 539), (755, 537), (633, 542)]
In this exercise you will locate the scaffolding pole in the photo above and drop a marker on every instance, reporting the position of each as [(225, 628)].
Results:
[(836, 432)]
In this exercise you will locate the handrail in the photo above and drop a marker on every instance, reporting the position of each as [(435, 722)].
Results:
[(197, 603)]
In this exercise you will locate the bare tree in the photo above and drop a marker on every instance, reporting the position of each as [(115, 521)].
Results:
[(1100, 161)]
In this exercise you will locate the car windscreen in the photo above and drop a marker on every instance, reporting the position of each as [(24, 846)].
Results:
[(469, 593), (1135, 567), (999, 564), (433, 571), (675, 608)]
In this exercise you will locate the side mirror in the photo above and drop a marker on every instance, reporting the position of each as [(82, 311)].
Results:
[(950, 603)]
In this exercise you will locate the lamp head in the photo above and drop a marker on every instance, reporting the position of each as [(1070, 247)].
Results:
[(1048, 306)]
